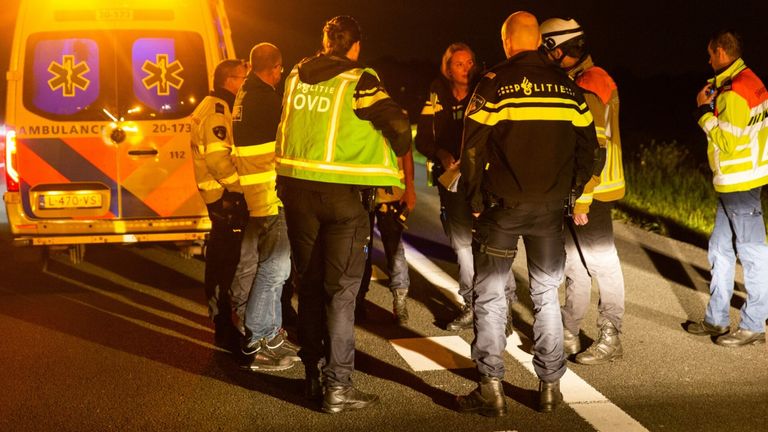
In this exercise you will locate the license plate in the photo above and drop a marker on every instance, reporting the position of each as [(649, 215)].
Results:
[(70, 200), (114, 14)]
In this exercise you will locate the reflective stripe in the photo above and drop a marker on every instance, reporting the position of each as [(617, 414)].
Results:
[(731, 129), (339, 168), (218, 146), (521, 113), (367, 101), (730, 162), (209, 185), (536, 100), (230, 179), (287, 107), (253, 179), (254, 150), (333, 123)]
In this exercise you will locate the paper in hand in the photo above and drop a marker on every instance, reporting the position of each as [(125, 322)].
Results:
[(450, 179)]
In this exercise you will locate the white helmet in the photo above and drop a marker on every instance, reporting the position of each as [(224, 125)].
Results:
[(556, 31)]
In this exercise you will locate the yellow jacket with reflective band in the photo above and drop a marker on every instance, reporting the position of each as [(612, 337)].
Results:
[(737, 130), (602, 98), (211, 147), (321, 139), (257, 114)]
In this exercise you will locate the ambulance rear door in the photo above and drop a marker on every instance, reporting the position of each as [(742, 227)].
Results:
[(109, 133)]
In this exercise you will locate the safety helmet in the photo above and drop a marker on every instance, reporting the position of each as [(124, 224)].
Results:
[(557, 31)]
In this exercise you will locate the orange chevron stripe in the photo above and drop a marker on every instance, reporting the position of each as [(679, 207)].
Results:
[(174, 191), (36, 170), (128, 164)]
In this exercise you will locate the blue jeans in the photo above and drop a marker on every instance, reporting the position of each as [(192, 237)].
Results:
[(590, 253), (495, 245), (739, 231), (265, 260), (457, 220)]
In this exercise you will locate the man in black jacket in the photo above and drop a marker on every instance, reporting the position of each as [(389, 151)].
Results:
[(529, 142), (265, 261)]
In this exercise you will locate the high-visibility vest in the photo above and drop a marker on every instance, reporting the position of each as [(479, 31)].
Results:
[(321, 139), (603, 101), (737, 130)]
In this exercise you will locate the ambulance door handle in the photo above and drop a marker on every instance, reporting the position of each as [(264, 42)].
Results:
[(151, 152)]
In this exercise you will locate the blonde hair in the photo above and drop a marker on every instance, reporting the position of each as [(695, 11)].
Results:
[(448, 55)]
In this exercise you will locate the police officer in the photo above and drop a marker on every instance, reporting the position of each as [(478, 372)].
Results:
[(335, 143), (529, 141), (438, 137), (589, 244), (219, 186)]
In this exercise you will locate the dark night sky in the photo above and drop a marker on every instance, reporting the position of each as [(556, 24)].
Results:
[(649, 41)]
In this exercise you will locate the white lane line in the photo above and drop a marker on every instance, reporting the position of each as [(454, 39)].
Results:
[(434, 274), (588, 403), (434, 353)]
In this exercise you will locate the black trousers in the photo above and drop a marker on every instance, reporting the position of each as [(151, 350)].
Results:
[(328, 228), (222, 253)]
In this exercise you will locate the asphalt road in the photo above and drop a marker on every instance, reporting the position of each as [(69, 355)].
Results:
[(122, 342)]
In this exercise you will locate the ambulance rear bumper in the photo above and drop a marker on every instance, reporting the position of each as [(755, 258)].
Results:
[(62, 231)]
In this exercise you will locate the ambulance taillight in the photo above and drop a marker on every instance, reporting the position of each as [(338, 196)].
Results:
[(11, 175)]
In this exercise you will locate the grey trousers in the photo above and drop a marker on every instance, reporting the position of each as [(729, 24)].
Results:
[(591, 254)]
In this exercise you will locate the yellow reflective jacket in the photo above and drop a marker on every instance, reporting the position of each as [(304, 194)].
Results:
[(737, 129), (212, 149), (602, 98)]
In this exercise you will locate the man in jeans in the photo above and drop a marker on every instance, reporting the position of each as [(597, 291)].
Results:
[(732, 109), (265, 261)]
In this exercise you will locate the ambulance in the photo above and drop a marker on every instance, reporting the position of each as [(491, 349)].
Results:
[(97, 146)]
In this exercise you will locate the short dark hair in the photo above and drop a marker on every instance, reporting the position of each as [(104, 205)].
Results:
[(729, 40), (224, 70), (339, 34)]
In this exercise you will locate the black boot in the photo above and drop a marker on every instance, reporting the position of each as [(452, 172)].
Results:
[(487, 399), (549, 396), (313, 384), (226, 335), (606, 348), (571, 342), (399, 308), (342, 398), (463, 321)]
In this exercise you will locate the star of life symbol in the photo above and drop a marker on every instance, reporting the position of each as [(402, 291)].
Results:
[(68, 76), (527, 86), (162, 75)]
